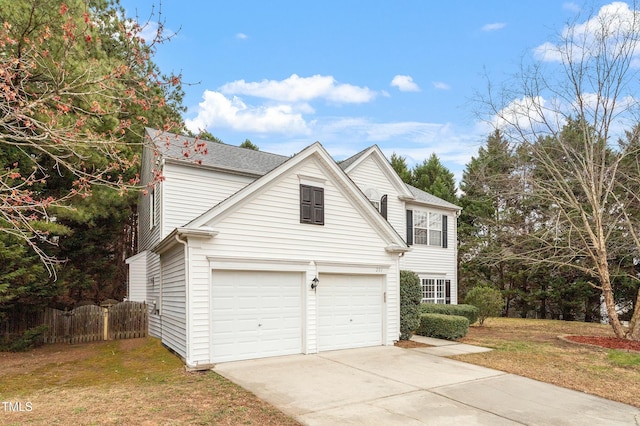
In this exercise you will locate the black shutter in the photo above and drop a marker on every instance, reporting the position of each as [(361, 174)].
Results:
[(318, 205), (383, 206), (409, 227), (305, 204), (444, 231), (447, 292)]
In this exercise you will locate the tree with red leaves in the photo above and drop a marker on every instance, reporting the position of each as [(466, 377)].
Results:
[(77, 88)]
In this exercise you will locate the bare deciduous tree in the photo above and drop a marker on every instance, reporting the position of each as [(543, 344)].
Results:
[(567, 110)]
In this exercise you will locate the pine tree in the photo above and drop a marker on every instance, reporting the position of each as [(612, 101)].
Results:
[(433, 177)]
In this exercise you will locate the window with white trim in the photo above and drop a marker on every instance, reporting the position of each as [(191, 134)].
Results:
[(436, 290), (435, 229), (152, 207), (426, 228)]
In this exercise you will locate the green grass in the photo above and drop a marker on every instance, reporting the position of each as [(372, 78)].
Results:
[(122, 382), (624, 359), (532, 348)]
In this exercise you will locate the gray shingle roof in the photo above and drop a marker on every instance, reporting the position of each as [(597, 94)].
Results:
[(349, 161), (217, 155), (243, 160), (425, 197)]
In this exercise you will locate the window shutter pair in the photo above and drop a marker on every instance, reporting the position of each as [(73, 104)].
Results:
[(311, 205), (410, 229)]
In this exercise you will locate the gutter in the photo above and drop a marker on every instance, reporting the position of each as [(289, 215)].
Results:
[(172, 239)]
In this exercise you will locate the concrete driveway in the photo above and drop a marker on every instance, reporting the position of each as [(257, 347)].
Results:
[(386, 385)]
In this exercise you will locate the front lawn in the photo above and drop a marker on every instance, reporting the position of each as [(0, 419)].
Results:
[(531, 348), (135, 382)]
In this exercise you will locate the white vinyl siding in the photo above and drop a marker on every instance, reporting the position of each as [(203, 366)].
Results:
[(137, 286), (369, 175), (173, 300), (271, 222), (265, 228), (193, 191), (435, 261), (153, 293), (149, 205)]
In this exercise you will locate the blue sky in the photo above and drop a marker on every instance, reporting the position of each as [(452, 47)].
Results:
[(400, 74)]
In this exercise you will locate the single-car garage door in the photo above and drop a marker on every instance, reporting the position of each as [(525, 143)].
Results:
[(349, 311), (256, 314)]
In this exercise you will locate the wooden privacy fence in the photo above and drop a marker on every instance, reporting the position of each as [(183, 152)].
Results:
[(125, 320)]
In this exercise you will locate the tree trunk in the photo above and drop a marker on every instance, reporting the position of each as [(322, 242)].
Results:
[(634, 325), (610, 304)]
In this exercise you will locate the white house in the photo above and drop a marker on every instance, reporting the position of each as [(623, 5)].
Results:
[(246, 254)]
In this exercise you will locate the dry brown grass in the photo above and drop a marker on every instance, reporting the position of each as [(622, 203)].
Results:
[(531, 348), (121, 383)]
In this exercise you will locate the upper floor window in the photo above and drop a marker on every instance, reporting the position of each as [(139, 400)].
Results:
[(311, 204), (377, 201), (426, 228), (152, 207)]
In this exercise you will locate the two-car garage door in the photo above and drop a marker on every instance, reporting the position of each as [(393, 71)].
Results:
[(260, 314)]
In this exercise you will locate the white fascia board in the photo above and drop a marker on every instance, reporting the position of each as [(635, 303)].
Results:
[(391, 174), (171, 239)]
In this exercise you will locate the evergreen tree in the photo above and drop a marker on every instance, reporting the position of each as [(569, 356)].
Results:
[(433, 177), (249, 145), (81, 87), (399, 164)]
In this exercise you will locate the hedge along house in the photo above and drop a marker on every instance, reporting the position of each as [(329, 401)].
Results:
[(245, 254)]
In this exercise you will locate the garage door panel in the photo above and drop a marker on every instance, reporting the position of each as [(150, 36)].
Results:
[(349, 311), (256, 314)]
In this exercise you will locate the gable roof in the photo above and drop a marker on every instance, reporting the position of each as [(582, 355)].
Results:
[(258, 163), (213, 154), (376, 154), (344, 164), (424, 197), (411, 193), (396, 242)]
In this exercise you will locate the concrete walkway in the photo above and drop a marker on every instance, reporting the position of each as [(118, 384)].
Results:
[(387, 385)]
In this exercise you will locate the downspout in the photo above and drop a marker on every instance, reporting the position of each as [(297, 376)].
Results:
[(186, 296)]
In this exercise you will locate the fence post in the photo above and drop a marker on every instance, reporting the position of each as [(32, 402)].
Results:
[(105, 321)]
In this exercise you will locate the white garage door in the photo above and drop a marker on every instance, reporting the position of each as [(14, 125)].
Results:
[(256, 314), (349, 311)]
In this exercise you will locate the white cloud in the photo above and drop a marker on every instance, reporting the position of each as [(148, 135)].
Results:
[(404, 83), (441, 85), (296, 89), (614, 21), (242, 36), (521, 114), (571, 7), (548, 52), (217, 110), (494, 27)]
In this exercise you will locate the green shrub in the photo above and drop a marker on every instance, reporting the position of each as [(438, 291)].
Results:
[(442, 326), (488, 300), (31, 338), (470, 312), (410, 298)]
